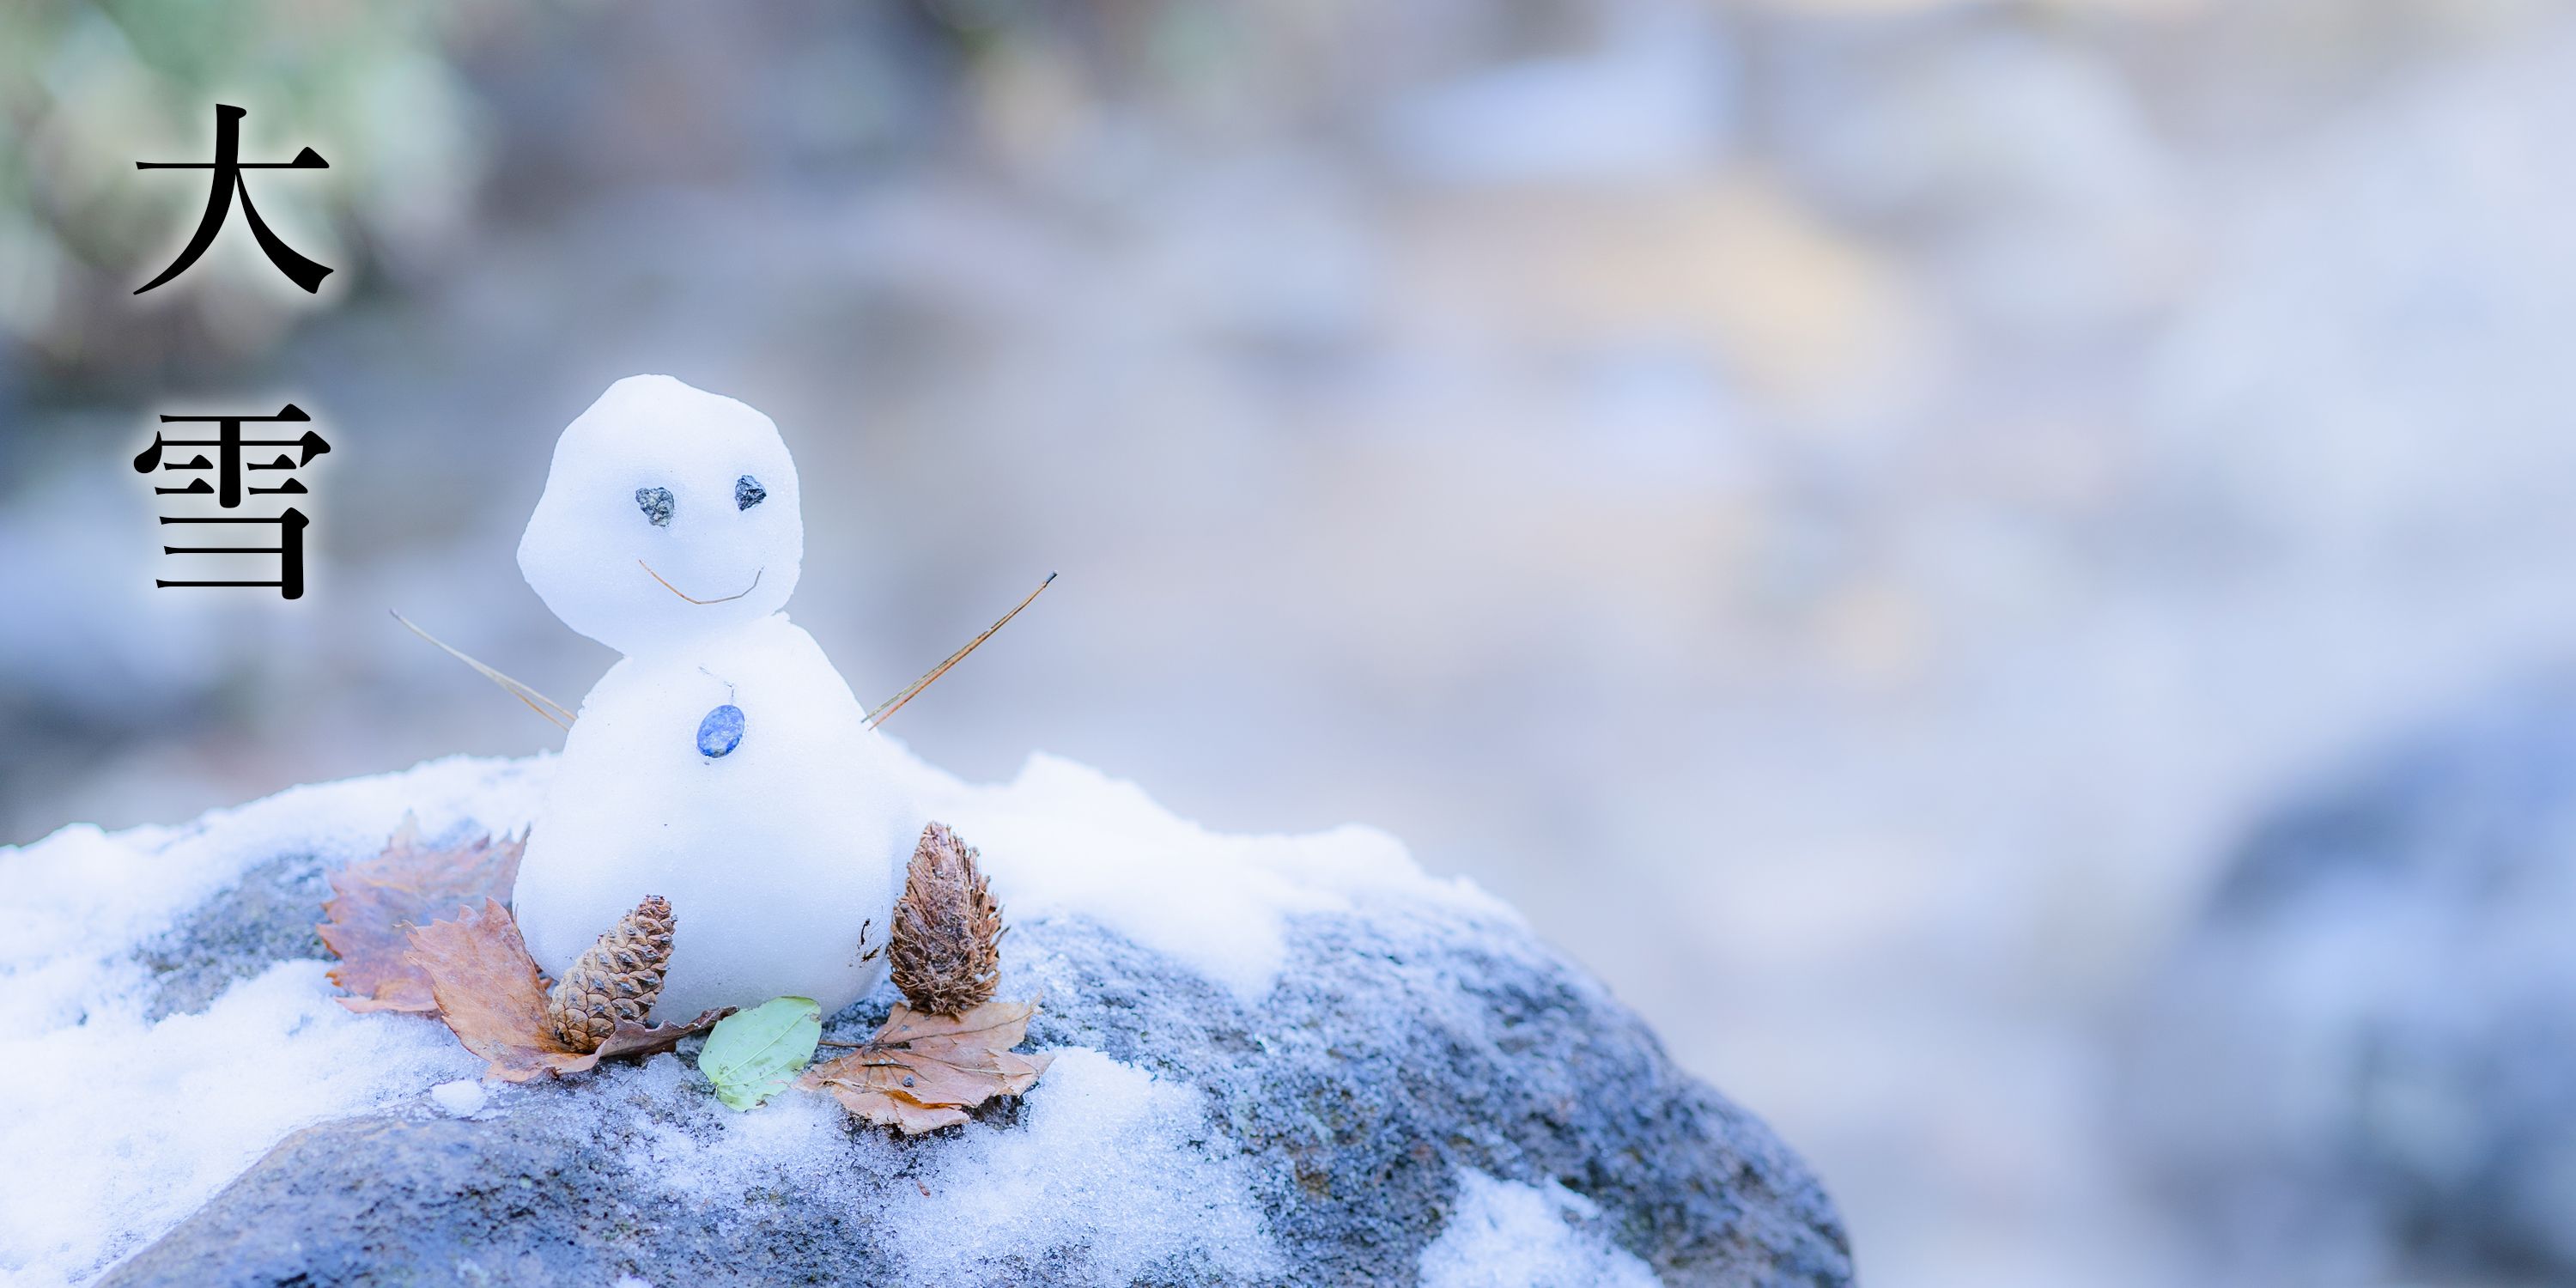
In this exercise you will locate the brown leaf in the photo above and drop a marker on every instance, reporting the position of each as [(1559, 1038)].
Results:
[(633, 1039), (925, 1071), (487, 989), (376, 904)]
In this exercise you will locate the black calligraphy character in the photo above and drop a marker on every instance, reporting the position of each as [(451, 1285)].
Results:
[(228, 167), (227, 465), (289, 551)]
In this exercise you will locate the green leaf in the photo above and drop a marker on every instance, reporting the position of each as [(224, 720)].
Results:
[(752, 1054)]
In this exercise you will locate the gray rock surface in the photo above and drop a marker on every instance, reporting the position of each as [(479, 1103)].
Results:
[(266, 917), (2361, 1063), (1402, 1044)]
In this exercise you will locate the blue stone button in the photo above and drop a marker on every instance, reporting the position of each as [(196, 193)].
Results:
[(720, 732)]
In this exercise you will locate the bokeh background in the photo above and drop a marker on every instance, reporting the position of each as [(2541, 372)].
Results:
[(1846, 511)]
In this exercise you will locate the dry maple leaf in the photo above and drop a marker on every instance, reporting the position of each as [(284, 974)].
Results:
[(376, 904), (925, 1071), (488, 990)]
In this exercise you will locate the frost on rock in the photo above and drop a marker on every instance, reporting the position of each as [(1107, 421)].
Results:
[(1505, 1235), (1276, 1059), (1108, 1168)]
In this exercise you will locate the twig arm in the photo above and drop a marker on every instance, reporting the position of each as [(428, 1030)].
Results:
[(541, 704), (895, 703)]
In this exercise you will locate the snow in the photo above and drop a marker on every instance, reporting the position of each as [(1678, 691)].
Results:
[(692, 450), (1107, 1166), (773, 857), (662, 503), (1065, 839), (78, 901), (136, 1121), (1508, 1235), (1105, 1156), (139, 1121), (462, 1098), (136, 1124)]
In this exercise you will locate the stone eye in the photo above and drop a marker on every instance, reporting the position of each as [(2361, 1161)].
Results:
[(747, 492), (655, 502)]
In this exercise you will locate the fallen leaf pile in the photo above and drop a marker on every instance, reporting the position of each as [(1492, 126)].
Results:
[(423, 930), (376, 904), (922, 1072)]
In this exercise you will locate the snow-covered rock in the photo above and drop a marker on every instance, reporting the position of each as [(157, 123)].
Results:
[(1278, 1060), (2360, 1065)]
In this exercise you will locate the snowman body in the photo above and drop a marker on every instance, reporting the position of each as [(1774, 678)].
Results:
[(776, 861), (777, 829)]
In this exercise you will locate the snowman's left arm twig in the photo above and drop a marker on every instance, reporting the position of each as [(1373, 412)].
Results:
[(895, 703)]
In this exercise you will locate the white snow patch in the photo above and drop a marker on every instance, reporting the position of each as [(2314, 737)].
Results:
[(1509, 1235), (1107, 1163), (1108, 1168), (796, 1142), (119, 1128), (1066, 839), (122, 1126), (462, 1098)]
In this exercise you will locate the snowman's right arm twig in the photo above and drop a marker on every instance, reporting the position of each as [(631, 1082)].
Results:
[(895, 703), (537, 702)]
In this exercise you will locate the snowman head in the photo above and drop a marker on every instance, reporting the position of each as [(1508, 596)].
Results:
[(670, 514)]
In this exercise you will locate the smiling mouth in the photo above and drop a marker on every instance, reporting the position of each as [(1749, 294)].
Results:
[(666, 585)]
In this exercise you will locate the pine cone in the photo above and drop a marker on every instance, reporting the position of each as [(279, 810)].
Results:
[(617, 979), (946, 948)]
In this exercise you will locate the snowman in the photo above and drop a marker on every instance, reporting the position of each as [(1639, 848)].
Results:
[(722, 764)]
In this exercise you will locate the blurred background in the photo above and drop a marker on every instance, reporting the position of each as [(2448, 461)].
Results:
[(1868, 519)]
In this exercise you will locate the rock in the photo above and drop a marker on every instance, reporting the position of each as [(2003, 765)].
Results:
[(266, 917), (2362, 1061), (1352, 1097), (1415, 1056), (720, 732)]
